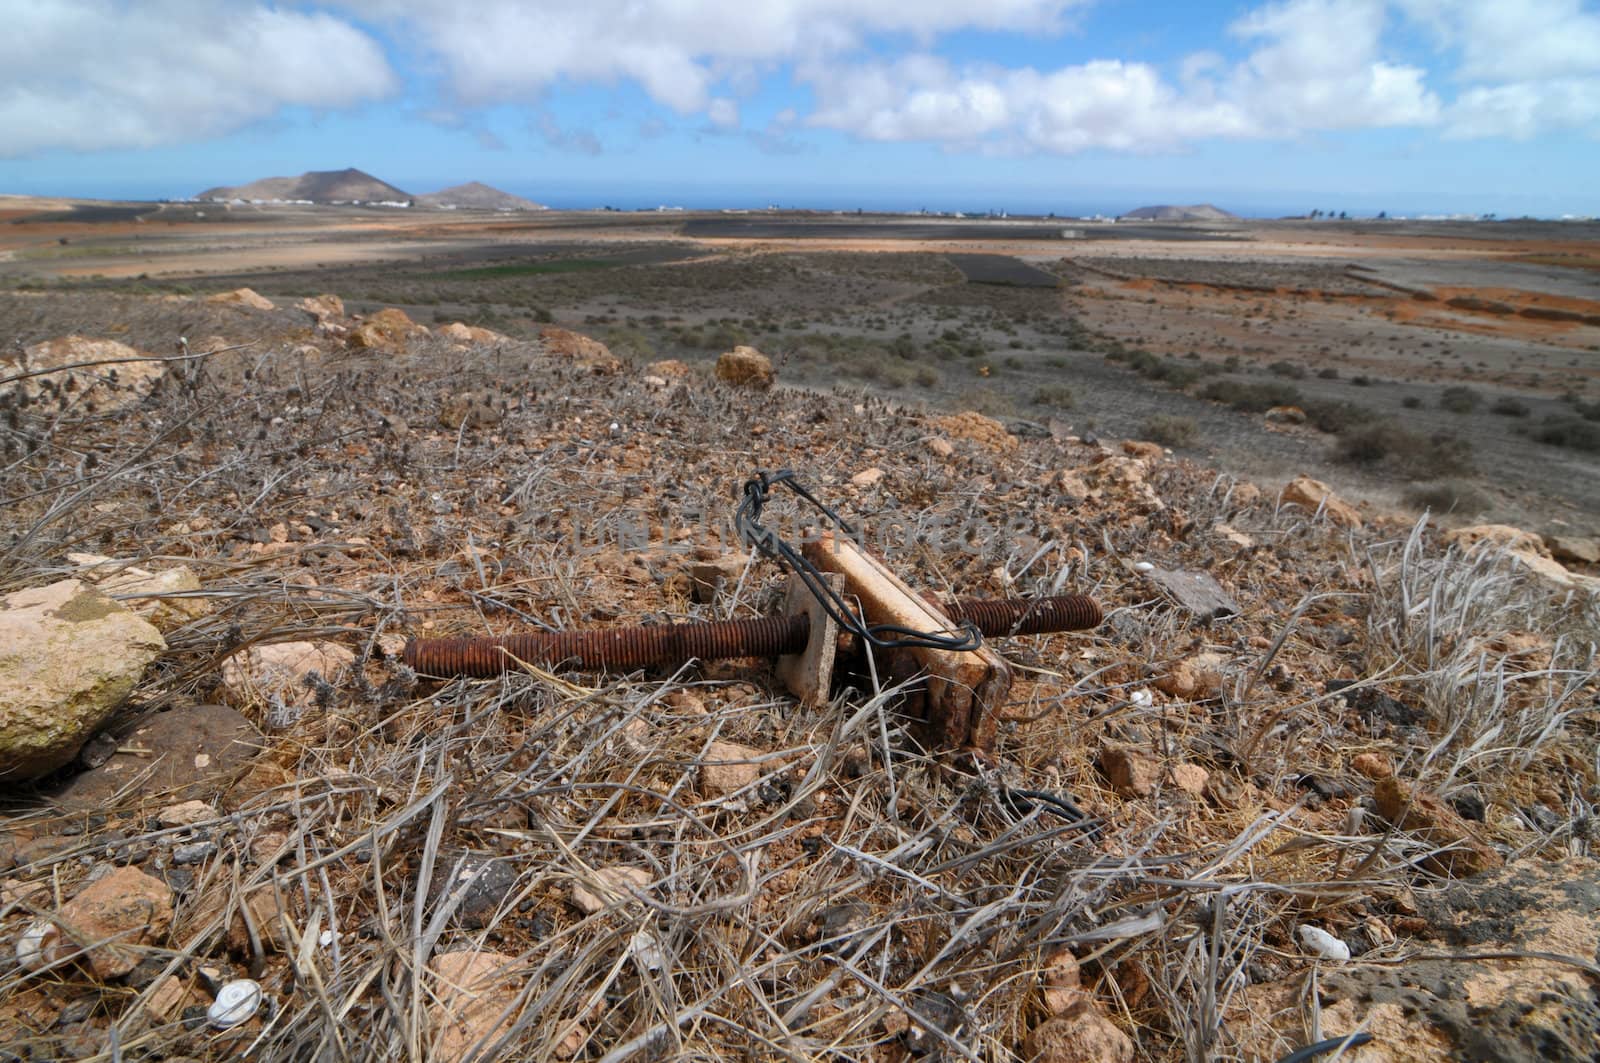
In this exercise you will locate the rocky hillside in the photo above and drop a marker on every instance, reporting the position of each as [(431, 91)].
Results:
[(317, 186), (1317, 774), (476, 195)]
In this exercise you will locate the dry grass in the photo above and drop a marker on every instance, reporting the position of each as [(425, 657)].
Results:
[(864, 898)]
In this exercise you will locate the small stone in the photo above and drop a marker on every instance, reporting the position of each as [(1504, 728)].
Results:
[(117, 915), (1198, 592), (243, 297), (1062, 982), (474, 409), (1437, 823), (480, 883), (1190, 778), (867, 477), (940, 448), (193, 853), (1082, 1036), (611, 888), (1198, 677), (281, 668), (471, 991), (1312, 495), (1371, 765), (708, 578), (1132, 773), (186, 814), (745, 367), (581, 349), (573, 1043), (1573, 550), (728, 768), (167, 998)]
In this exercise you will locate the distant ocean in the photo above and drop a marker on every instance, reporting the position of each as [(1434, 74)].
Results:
[(567, 194)]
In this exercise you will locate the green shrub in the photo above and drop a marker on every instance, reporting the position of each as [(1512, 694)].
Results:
[(1506, 406), (1338, 417), (1287, 369), (1459, 399), (1171, 430), (1449, 496), (1411, 402), (1251, 398), (1058, 395), (1404, 451), (1568, 431)]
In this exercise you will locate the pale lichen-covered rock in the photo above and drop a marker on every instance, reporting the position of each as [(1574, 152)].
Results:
[(670, 369), (281, 669), (564, 343), (471, 994), (121, 379), (728, 768), (68, 657), (475, 409), (324, 308), (612, 885), (116, 918), (1525, 549), (1082, 1035), (1312, 494), (745, 367), (388, 329), (242, 297), (168, 598), (460, 332), (984, 431)]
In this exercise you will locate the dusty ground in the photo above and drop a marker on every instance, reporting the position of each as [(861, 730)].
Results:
[(854, 894)]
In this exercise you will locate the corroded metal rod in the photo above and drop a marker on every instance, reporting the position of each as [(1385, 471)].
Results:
[(627, 648)]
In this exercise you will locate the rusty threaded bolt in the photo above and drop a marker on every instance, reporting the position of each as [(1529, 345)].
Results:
[(626, 648)]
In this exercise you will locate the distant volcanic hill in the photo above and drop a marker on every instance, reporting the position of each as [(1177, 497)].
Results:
[(1198, 212), (318, 186), (476, 195)]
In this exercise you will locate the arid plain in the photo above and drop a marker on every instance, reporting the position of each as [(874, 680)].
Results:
[(1441, 365)]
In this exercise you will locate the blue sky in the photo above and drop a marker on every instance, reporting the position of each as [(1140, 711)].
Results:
[(1065, 105)]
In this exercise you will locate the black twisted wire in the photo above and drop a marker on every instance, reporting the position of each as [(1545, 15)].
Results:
[(747, 518)]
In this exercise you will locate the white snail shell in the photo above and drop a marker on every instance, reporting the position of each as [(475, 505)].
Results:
[(236, 1001)]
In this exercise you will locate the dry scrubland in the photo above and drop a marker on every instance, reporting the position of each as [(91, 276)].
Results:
[(1392, 741)]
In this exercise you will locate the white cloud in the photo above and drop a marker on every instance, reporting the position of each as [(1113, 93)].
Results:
[(1315, 65), (94, 74), (499, 49), (1527, 68), (723, 113)]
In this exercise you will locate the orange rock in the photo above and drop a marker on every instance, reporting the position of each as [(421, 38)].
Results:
[(1132, 773), (1437, 823), (564, 343), (1137, 448), (1312, 494), (472, 994), (1372, 765), (984, 431), (1083, 1035), (745, 367), (1190, 778), (728, 768), (116, 917)]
